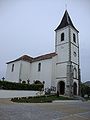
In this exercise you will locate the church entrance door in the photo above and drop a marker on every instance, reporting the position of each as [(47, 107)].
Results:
[(61, 87), (75, 88)]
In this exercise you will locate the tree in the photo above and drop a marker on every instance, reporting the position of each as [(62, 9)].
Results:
[(37, 82), (24, 82), (85, 90)]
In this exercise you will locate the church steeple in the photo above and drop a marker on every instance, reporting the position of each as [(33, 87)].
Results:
[(67, 49), (66, 20)]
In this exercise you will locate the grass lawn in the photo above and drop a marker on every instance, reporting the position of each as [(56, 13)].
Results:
[(39, 99)]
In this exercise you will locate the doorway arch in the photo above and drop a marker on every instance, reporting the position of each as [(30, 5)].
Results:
[(61, 87), (74, 88)]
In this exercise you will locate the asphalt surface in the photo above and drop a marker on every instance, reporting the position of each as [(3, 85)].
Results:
[(67, 110)]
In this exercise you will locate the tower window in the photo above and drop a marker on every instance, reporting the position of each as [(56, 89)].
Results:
[(75, 73), (62, 37), (74, 37), (39, 67), (12, 67), (75, 54)]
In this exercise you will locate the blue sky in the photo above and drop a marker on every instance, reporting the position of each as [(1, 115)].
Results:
[(27, 27)]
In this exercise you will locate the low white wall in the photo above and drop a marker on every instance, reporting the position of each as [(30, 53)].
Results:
[(16, 93)]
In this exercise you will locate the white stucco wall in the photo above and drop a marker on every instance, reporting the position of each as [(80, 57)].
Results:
[(45, 74), (13, 76), (53, 76), (25, 71), (61, 70), (63, 53)]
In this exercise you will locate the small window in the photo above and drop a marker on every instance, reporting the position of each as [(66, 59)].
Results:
[(74, 54), (39, 67), (12, 67), (62, 37), (74, 37)]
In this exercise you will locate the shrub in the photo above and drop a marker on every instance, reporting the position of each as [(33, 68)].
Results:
[(20, 86)]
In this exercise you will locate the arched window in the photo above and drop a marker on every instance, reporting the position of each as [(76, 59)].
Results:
[(75, 73), (74, 37), (12, 67), (39, 67), (62, 36)]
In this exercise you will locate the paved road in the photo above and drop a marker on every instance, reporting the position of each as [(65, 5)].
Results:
[(47, 111)]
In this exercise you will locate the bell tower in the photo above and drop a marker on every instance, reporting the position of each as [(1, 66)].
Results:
[(67, 65)]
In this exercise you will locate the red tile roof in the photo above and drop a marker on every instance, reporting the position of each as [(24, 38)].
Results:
[(44, 57), (24, 58), (31, 59)]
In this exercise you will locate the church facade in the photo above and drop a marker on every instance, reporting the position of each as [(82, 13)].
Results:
[(60, 70)]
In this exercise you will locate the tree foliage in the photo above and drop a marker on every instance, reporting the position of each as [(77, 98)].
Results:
[(85, 90), (37, 82)]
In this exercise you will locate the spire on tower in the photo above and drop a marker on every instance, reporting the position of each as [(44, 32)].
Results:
[(66, 20)]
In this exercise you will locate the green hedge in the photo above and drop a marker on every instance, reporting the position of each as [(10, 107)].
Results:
[(20, 86), (39, 99)]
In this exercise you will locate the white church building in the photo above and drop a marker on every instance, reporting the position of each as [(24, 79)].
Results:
[(58, 70)]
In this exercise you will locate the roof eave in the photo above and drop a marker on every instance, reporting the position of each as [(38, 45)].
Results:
[(66, 26)]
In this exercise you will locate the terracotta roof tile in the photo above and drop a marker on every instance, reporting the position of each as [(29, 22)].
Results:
[(30, 59), (44, 57), (24, 58)]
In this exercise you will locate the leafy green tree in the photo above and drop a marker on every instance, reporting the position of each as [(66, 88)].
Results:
[(85, 90), (37, 82)]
